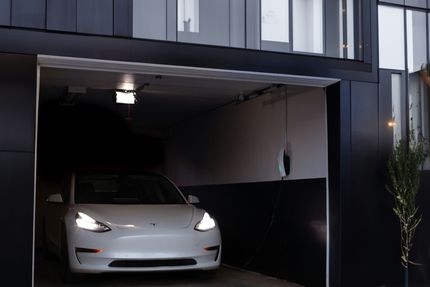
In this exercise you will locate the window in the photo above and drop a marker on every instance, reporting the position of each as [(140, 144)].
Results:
[(396, 100), (149, 19), (275, 26), (308, 26), (391, 38), (417, 56), (188, 16), (204, 22), (275, 20), (416, 36), (416, 40), (346, 31)]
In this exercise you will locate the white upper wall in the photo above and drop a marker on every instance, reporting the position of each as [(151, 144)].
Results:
[(307, 134), (241, 142)]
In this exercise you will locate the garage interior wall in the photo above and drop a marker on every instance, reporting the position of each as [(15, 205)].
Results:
[(18, 78), (228, 157), (241, 142)]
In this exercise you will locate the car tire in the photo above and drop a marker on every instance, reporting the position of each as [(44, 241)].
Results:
[(67, 275)]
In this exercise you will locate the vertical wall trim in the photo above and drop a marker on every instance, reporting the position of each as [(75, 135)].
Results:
[(253, 24), (76, 16), (327, 191), (35, 166), (405, 20)]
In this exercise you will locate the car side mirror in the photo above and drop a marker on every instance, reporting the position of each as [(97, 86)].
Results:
[(193, 199), (55, 198)]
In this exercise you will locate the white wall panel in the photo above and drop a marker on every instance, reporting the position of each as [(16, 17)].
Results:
[(241, 142)]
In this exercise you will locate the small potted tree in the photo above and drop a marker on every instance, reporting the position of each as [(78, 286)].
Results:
[(404, 169)]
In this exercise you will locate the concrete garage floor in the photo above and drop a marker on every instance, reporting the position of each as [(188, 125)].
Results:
[(47, 275)]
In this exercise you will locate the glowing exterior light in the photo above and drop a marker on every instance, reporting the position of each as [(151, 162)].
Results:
[(125, 97), (391, 124)]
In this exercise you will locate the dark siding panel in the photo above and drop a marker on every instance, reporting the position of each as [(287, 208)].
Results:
[(17, 102), (95, 16), (338, 126), (360, 216), (123, 18), (17, 116), (166, 52), (16, 196), (61, 15), (388, 246), (420, 275), (29, 14), (5, 12), (385, 114)]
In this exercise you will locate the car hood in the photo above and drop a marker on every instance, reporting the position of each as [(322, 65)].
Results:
[(140, 216)]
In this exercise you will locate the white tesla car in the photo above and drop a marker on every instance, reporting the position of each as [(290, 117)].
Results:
[(128, 222)]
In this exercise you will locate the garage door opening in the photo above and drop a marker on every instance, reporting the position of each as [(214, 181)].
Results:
[(223, 136)]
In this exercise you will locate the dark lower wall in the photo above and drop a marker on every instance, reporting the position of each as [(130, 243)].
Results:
[(276, 228), (364, 232), (420, 274), (17, 126)]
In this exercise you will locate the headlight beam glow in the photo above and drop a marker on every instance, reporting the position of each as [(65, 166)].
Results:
[(86, 222), (206, 224)]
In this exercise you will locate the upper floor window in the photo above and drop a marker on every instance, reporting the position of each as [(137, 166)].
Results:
[(188, 15), (308, 26), (275, 20), (321, 27), (391, 38)]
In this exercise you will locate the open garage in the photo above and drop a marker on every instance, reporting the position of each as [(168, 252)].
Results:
[(252, 147)]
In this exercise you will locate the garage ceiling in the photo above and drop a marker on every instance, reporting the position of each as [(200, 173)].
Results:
[(166, 101)]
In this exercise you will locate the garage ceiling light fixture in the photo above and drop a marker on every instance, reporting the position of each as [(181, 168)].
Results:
[(125, 97)]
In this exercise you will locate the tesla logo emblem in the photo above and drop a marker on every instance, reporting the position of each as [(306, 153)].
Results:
[(153, 224)]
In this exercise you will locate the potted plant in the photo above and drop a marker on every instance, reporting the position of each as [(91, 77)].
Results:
[(404, 168)]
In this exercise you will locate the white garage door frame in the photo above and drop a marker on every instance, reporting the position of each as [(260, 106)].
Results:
[(47, 61)]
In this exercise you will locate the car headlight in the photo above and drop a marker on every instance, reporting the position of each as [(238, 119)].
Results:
[(88, 223), (206, 224)]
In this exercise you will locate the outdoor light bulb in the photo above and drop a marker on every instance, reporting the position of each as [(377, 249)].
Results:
[(391, 124), (206, 224), (126, 97), (86, 222)]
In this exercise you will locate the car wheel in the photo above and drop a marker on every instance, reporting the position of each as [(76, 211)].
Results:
[(66, 274)]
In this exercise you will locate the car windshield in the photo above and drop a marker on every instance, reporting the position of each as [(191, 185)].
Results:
[(125, 189)]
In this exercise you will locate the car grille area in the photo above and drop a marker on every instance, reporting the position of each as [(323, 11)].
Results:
[(152, 263)]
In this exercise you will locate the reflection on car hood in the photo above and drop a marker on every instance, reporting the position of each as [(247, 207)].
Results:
[(140, 216)]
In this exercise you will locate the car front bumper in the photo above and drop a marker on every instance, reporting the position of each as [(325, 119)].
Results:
[(143, 250)]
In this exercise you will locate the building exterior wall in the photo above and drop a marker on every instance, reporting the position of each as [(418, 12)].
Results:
[(18, 81), (356, 164)]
